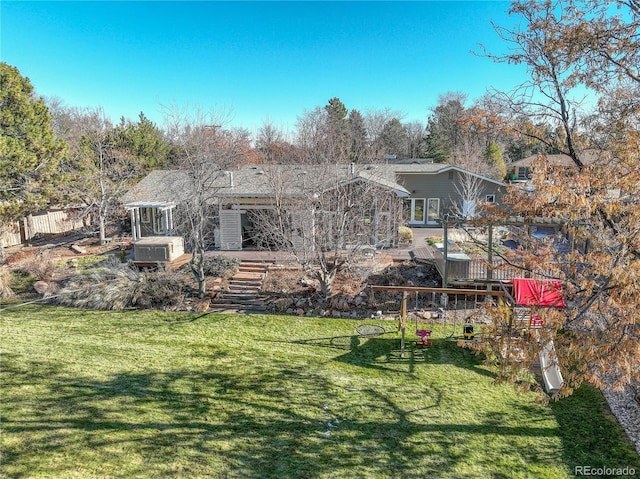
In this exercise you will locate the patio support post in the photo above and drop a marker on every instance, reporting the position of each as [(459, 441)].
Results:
[(166, 222), (445, 251), (490, 256), (134, 236), (138, 224), (403, 322)]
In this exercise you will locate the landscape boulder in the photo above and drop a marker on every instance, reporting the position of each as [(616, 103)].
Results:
[(78, 249)]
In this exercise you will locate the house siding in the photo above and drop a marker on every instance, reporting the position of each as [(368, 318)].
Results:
[(442, 186)]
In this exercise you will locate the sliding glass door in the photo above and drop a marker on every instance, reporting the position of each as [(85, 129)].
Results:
[(414, 211)]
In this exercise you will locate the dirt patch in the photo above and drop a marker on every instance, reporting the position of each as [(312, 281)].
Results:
[(291, 291), (407, 273), (63, 249)]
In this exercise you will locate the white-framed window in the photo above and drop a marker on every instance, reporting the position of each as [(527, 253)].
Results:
[(490, 198), (524, 173), (145, 215)]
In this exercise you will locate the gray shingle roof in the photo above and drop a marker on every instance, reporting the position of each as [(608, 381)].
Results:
[(161, 186), (258, 181), (587, 157)]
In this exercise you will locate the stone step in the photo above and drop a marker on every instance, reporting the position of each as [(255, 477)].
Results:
[(245, 286), (236, 303), (264, 265), (253, 291), (247, 276), (235, 308), (234, 280), (251, 269), (239, 295)]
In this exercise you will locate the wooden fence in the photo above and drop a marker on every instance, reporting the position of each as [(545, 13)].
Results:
[(47, 222)]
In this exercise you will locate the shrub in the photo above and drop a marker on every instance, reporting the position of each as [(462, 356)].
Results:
[(220, 266), (41, 266), (159, 290), (6, 278), (405, 234)]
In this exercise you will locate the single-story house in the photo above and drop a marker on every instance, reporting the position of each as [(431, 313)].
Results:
[(418, 195)]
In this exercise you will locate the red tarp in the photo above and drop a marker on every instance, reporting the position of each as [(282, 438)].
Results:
[(538, 292)]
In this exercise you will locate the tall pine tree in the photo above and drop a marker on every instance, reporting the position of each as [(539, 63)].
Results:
[(30, 153)]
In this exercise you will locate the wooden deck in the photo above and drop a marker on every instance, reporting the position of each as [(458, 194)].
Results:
[(460, 270), (168, 265)]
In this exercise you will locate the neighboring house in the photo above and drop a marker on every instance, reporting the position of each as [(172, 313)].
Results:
[(425, 192), (521, 170)]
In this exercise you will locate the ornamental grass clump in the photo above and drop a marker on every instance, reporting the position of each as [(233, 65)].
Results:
[(115, 286), (405, 235), (112, 286), (5, 283)]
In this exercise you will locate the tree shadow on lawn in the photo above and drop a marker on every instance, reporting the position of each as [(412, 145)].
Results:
[(590, 433), (386, 354), (277, 421)]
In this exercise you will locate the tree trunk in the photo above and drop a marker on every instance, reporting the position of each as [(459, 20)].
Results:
[(102, 230), (197, 268), (325, 278)]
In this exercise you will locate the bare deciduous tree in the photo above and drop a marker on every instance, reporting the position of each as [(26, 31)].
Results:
[(469, 188), (207, 152), (101, 171), (326, 217)]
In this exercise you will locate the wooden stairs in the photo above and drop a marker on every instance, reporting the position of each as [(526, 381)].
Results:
[(243, 291)]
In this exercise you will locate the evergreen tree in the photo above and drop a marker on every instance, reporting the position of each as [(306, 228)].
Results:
[(393, 139), (358, 134), (30, 153), (445, 127), (436, 146), (337, 132), (493, 156), (143, 141)]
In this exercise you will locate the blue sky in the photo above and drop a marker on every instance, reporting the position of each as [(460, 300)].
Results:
[(258, 60)]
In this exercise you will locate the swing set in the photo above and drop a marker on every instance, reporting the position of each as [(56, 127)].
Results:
[(444, 302)]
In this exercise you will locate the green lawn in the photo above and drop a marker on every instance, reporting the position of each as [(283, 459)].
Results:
[(142, 394)]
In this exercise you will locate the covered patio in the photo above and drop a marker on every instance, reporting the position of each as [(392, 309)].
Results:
[(151, 218)]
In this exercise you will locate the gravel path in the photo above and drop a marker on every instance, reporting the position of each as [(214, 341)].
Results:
[(626, 408)]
